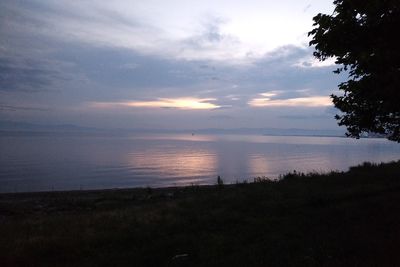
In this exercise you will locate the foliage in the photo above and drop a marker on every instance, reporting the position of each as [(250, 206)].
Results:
[(363, 37)]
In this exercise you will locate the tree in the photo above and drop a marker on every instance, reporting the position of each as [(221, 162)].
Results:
[(363, 36)]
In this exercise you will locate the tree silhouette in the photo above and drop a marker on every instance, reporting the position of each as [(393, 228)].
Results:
[(363, 36)]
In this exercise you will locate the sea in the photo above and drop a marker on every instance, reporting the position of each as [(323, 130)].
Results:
[(74, 161)]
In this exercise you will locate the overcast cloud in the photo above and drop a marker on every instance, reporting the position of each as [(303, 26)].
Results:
[(164, 64)]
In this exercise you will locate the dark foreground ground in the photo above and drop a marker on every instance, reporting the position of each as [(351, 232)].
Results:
[(338, 219)]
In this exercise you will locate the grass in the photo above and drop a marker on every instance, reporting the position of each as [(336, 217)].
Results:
[(334, 219)]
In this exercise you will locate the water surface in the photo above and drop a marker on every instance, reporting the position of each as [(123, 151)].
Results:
[(64, 162)]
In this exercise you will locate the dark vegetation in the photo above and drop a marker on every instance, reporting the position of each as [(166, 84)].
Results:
[(336, 219), (362, 36)]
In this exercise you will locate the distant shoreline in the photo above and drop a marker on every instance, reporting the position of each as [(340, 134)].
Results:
[(25, 126), (114, 133)]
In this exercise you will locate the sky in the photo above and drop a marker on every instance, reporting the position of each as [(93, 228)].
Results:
[(171, 64)]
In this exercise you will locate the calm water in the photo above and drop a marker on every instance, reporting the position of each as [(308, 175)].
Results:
[(36, 163)]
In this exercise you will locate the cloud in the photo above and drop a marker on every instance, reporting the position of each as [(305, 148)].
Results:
[(27, 74), (212, 43), (177, 103), (307, 8), (306, 117), (310, 101), (5, 107), (169, 30), (123, 74), (86, 23), (79, 54), (311, 62)]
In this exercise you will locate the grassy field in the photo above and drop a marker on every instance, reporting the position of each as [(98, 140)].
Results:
[(336, 219)]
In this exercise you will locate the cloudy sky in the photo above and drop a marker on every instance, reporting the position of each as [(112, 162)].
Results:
[(164, 64)]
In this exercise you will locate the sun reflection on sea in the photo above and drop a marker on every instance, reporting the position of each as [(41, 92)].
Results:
[(258, 165), (176, 137), (184, 166)]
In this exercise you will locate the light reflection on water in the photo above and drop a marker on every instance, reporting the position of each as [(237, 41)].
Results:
[(258, 164), (181, 165), (88, 162)]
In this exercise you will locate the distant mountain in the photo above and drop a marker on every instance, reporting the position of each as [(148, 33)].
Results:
[(67, 128), (275, 131), (26, 126)]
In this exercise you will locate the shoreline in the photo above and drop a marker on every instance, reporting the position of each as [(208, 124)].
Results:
[(175, 187), (333, 219)]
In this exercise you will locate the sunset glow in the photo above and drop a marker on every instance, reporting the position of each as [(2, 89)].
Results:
[(179, 103)]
